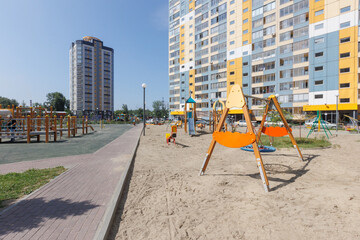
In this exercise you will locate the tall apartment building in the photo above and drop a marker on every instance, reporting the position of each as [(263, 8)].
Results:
[(305, 51), (91, 77)]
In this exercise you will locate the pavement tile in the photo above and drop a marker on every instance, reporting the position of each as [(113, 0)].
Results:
[(74, 204)]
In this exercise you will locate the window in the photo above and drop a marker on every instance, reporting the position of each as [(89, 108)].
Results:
[(344, 40), (319, 68), (232, 42), (245, 31), (245, 74), (345, 24), (232, 2), (245, 63), (319, 26), (232, 32), (319, 54), (319, 40), (319, 96), (245, 42), (344, 55), (245, 20), (245, 10), (344, 85), (245, 85), (232, 22), (317, 13), (344, 100), (232, 52), (232, 73), (232, 83), (344, 70), (232, 63), (345, 9), (319, 82), (232, 12)]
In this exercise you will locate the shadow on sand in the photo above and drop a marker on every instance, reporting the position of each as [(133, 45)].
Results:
[(272, 169)]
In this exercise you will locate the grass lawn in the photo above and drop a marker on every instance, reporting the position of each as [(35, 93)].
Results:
[(285, 142), (16, 185)]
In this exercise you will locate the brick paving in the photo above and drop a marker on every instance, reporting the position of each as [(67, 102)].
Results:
[(73, 205)]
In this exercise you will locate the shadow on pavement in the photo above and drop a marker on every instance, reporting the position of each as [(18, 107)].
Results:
[(32, 213)]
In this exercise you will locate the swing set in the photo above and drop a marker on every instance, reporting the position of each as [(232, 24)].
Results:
[(236, 99)]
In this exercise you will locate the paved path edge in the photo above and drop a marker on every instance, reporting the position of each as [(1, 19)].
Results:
[(108, 219)]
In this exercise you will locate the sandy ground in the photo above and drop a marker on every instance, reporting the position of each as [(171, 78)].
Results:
[(167, 199)]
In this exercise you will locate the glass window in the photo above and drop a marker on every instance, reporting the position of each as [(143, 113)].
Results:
[(344, 55), (319, 68), (319, 82), (319, 26), (344, 70), (345, 9), (344, 85), (344, 40), (317, 13), (345, 24), (319, 54)]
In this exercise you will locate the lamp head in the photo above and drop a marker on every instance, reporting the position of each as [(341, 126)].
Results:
[(143, 85)]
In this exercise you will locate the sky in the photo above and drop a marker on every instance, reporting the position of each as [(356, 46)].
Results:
[(35, 38)]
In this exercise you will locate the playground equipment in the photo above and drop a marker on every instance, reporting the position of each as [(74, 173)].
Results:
[(28, 125), (319, 123), (272, 131), (218, 109), (236, 99), (190, 116), (172, 135), (354, 123), (249, 148)]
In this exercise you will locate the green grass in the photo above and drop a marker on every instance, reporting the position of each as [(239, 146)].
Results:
[(285, 142), (16, 185)]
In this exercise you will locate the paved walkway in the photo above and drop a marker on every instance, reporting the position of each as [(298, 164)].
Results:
[(77, 204)]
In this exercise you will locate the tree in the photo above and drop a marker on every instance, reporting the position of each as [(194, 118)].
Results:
[(125, 111), (57, 101), (8, 102), (160, 109), (274, 116)]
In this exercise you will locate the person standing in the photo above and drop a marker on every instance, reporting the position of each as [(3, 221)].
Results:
[(11, 124)]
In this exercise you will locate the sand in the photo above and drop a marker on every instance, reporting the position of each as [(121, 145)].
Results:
[(167, 199)]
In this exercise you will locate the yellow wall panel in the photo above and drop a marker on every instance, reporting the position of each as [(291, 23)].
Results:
[(247, 15), (313, 7), (237, 76), (182, 46), (349, 62), (191, 5)]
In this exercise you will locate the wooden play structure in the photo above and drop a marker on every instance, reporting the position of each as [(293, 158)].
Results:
[(190, 116), (172, 135), (215, 114), (28, 125), (236, 99), (318, 124)]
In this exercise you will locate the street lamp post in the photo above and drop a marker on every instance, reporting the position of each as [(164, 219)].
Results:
[(337, 113), (144, 86)]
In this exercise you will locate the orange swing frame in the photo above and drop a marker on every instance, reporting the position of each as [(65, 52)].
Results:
[(236, 99), (277, 131)]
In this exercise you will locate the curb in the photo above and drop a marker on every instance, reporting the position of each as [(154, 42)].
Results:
[(108, 219)]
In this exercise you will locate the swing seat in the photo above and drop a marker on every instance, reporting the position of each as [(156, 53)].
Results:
[(275, 131), (234, 140)]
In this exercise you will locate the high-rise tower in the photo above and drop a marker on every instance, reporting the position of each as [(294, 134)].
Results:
[(91, 77), (306, 51)]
